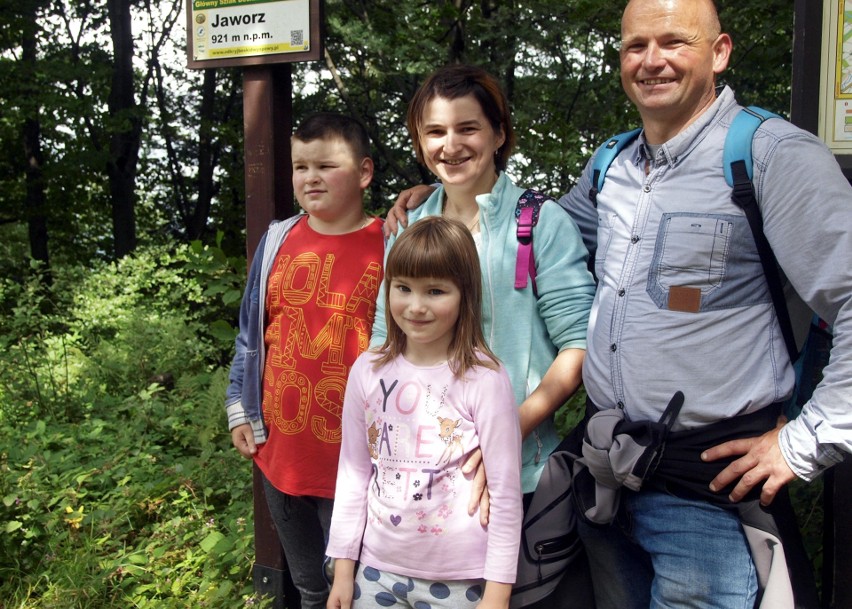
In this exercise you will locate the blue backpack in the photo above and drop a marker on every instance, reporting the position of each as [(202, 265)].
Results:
[(736, 156)]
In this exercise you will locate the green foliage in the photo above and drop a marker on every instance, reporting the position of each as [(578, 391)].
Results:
[(761, 65), (807, 499), (115, 328), (118, 482), (63, 89), (557, 60), (147, 506)]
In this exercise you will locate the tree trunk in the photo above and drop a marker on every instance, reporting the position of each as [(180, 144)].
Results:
[(456, 32), (35, 207), (207, 157), (125, 130)]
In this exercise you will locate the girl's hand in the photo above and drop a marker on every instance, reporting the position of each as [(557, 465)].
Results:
[(340, 596), (496, 596), (343, 588)]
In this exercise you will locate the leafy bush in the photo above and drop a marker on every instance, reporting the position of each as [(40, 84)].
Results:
[(115, 328), (118, 482)]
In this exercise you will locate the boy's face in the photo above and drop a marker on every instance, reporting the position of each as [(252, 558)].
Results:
[(327, 178)]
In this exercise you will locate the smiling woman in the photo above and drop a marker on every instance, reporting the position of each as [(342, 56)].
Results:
[(458, 144), (461, 129)]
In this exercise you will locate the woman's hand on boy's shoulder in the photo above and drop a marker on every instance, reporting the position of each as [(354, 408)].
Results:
[(411, 198), (479, 497)]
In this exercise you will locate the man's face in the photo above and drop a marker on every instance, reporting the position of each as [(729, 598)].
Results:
[(671, 52)]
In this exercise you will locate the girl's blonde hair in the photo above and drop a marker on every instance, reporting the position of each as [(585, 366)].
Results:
[(440, 248)]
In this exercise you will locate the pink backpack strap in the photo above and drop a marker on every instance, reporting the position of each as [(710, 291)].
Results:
[(526, 214)]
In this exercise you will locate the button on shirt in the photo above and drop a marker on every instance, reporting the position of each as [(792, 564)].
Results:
[(682, 302)]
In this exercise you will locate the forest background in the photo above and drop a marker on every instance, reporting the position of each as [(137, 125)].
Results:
[(122, 254)]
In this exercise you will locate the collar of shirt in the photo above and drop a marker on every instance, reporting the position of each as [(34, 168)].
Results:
[(683, 143)]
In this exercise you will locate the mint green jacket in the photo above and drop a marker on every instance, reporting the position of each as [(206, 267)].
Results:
[(525, 332)]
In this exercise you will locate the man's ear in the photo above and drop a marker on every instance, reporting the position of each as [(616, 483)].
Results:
[(722, 47)]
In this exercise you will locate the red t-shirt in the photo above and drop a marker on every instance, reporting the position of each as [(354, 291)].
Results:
[(320, 304)]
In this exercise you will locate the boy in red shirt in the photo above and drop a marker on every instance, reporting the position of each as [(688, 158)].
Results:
[(306, 315)]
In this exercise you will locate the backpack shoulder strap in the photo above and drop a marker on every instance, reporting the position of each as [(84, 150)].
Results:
[(739, 138), (739, 171), (526, 214), (605, 156)]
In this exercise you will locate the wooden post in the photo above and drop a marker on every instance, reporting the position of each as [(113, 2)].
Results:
[(807, 40), (267, 121)]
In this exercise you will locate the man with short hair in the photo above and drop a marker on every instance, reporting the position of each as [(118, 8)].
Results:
[(683, 305)]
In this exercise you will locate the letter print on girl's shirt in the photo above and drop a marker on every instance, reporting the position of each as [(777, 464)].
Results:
[(416, 440)]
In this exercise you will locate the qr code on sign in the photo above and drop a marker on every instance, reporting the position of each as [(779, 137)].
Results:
[(297, 38)]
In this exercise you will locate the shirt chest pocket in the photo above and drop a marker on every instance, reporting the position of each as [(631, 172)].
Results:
[(692, 251)]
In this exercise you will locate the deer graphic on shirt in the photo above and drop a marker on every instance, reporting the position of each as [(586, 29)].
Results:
[(373, 440), (452, 440)]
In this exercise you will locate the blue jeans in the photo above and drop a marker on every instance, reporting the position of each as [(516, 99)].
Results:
[(668, 552), (302, 524)]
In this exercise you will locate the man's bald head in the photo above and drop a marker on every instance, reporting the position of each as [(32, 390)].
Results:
[(706, 9)]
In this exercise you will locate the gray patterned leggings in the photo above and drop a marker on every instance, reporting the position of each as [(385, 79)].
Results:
[(374, 588)]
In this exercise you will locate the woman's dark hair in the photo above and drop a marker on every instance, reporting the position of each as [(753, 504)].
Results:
[(455, 81)]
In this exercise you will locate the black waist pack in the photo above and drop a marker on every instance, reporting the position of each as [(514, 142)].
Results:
[(551, 550), (616, 453)]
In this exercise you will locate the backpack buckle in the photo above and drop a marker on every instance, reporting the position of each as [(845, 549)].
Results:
[(526, 220)]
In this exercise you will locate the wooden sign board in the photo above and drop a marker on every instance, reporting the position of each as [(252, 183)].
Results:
[(835, 106), (228, 33)]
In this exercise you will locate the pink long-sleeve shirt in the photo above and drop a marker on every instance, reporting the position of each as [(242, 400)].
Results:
[(401, 498)]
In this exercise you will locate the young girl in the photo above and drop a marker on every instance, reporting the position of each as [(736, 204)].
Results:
[(412, 413)]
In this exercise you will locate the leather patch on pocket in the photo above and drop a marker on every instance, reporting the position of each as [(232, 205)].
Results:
[(684, 298)]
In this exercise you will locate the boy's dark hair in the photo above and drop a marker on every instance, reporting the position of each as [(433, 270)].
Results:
[(331, 125)]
